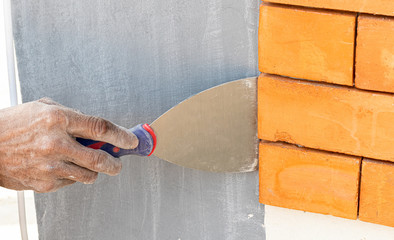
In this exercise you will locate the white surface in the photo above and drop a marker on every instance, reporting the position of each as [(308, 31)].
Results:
[(4, 88), (282, 223), (8, 232), (9, 222), (10, 53)]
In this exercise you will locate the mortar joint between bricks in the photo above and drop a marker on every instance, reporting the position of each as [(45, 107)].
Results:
[(355, 49)]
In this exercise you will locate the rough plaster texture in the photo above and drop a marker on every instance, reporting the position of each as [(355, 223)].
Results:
[(130, 61)]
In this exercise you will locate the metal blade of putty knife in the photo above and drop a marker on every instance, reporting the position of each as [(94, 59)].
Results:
[(215, 130)]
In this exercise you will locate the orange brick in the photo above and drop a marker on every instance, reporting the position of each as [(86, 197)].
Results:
[(377, 192), (322, 116), (384, 7), (375, 53), (307, 44), (309, 180)]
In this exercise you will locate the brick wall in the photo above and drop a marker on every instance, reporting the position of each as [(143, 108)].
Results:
[(326, 107)]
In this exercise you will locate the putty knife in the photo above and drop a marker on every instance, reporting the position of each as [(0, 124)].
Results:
[(215, 130)]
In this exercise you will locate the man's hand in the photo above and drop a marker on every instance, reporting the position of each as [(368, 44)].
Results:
[(38, 150)]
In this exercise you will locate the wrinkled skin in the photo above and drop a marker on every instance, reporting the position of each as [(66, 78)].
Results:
[(38, 150)]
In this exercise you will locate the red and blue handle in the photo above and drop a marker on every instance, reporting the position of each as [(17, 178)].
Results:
[(146, 145)]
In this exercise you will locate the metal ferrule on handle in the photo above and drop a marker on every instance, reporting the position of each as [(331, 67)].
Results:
[(146, 145)]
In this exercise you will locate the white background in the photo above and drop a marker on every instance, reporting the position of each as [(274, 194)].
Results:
[(9, 223), (288, 224)]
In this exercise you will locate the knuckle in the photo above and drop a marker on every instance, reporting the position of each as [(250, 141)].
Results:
[(89, 178), (45, 100), (54, 115), (47, 147), (53, 169), (49, 169), (77, 111), (51, 145), (98, 126), (97, 161)]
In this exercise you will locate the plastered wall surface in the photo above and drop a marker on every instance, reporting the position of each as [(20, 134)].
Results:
[(130, 61)]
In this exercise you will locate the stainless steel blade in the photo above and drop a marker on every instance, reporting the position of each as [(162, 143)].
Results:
[(215, 130)]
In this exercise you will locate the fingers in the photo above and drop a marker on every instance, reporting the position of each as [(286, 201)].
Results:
[(41, 186), (95, 128), (94, 160), (73, 172), (59, 175), (99, 129)]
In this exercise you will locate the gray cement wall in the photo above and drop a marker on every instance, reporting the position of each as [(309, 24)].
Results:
[(130, 61)]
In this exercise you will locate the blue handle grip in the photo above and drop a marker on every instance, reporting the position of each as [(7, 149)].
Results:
[(146, 145)]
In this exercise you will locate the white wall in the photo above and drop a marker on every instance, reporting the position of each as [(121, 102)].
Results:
[(284, 224), (4, 94), (9, 223)]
